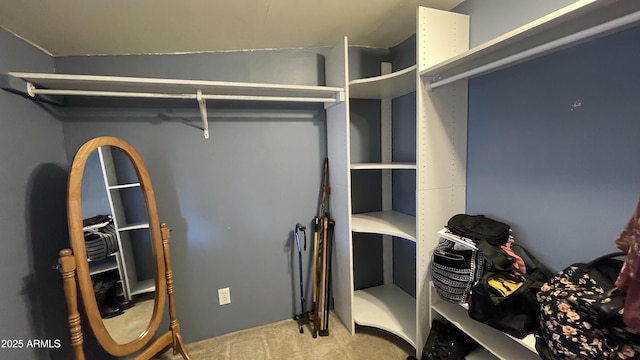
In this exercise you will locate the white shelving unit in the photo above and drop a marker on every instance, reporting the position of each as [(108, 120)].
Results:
[(444, 86), (387, 306), (443, 66), (126, 257)]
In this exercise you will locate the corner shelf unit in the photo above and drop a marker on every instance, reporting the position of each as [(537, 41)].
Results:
[(443, 65), (387, 306), (129, 243)]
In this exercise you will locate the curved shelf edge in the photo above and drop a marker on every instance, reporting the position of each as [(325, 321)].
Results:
[(386, 307), (391, 85), (134, 227), (385, 222)]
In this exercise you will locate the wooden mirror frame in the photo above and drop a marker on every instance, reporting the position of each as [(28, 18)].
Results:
[(75, 267)]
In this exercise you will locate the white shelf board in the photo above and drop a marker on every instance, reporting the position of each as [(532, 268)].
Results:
[(386, 307), (385, 222), (101, 266), (584, 17), (124, 186), (134, 227), (143, 287), (498, 343), (390, 86), (445, 233), (173, 86), (382, 166)]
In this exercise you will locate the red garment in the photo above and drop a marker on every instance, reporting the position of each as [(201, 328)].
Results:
[(629, 277), (518, 263)]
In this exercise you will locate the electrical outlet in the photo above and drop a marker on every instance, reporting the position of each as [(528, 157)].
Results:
[(224, 296)]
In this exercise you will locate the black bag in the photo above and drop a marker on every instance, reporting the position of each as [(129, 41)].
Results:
[(455, 271), (580, 314), (447, 342), (515, 313), (479, 228), (100, 237)]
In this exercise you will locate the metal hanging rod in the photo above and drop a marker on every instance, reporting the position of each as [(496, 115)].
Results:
[(198, 96), (32, 90)]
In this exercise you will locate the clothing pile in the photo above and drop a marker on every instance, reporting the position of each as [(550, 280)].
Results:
[(100, 237), (101, 241)]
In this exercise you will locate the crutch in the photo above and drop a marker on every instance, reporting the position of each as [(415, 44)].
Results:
[(301, 318), (316, 249), (327, 284)]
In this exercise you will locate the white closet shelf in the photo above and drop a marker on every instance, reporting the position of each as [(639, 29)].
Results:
[(385, 222), (390, 86), (382, 166), (386, 307), (47, 85), (579, 22), (124, 186), (143, 287), (101, 266), (95, 85), (134, 227)]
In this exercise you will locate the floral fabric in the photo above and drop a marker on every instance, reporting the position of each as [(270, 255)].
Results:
[(569, 325), (629, 279)]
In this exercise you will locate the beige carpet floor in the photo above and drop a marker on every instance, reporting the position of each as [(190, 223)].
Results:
[(282, 341), (128, 326)]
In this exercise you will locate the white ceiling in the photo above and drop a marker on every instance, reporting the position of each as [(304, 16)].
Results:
[(97, 27)]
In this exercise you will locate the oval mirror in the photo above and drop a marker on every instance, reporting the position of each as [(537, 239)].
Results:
[(117, 245)]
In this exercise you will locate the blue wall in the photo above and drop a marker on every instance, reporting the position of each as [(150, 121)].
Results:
[(33, 181), (566, 177), (232, 201), (492, 18)]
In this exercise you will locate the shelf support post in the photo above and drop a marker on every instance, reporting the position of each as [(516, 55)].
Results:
[(202, 103)]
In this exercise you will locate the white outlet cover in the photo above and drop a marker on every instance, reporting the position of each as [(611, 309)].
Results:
[(224, 296)]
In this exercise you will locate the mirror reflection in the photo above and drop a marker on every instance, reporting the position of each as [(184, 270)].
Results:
[(118, 243)]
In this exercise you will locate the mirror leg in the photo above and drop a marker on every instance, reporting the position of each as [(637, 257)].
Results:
[(68, 271), (178, 344)]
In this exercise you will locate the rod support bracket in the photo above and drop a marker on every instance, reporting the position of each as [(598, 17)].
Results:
[(31, 89), (202, 103)]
